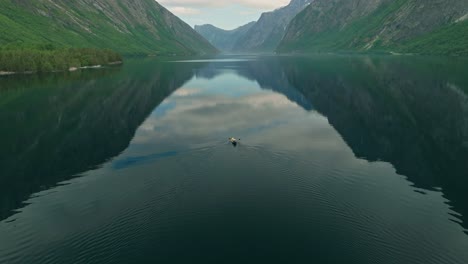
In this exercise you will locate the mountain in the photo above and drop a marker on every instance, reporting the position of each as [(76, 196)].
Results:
[(126, 26), (410, 26), (223, 40), (270, 28)]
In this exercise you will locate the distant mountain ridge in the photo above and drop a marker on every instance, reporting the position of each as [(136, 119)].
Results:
[(267, 33), (127, 26), (410, 26), (223, 40), (261, 36)]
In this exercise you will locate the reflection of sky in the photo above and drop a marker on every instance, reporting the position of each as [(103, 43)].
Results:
[(206, 111), (227, 84), (163, 109), (218, 60)]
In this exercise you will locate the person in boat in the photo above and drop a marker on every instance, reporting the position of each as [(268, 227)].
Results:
[(234, 141)]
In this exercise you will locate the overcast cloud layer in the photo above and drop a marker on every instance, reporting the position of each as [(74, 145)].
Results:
[(221, 13)]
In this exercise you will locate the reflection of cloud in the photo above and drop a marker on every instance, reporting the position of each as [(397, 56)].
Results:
[(229, 105), (194, 114), (193, 101), (270, 99), (147, 126), (186, 92)]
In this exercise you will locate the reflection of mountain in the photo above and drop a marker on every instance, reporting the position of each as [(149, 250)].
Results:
[(266, 71), (413, 115), (53, 129)]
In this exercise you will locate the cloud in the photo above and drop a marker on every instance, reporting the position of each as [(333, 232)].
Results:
[(180, 10), (226, 14), (260, 4)]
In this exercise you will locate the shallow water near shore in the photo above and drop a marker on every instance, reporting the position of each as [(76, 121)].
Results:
[(342, 159)]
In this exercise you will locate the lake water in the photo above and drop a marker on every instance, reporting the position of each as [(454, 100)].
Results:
[(342, 159)]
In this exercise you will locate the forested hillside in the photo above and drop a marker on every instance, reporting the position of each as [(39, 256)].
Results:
[(409, 26), (125, 26)]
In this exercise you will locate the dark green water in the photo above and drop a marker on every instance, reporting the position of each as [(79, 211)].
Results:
[(342, 160)]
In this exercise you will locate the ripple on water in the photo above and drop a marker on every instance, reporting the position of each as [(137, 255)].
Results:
[(212, 194)]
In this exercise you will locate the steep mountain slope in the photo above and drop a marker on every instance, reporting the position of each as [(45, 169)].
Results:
[(270, 28), (223, 40), (393, 25), (127, 26), (449, 40)]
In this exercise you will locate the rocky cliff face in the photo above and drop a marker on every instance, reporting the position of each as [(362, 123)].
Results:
[(270, 28), (342, 25), (224, 40), (128, 26)]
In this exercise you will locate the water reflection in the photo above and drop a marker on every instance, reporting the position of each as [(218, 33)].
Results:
[(411, 112), (290, 155), (57, 126), (266, 71), (342, 159)]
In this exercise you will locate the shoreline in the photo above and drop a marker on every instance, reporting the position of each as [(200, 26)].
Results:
[(5, 73), (71, 69)]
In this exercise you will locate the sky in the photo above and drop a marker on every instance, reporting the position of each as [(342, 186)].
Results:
[(226, 14)]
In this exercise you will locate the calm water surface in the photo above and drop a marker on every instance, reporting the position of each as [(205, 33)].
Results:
[(342, 160)]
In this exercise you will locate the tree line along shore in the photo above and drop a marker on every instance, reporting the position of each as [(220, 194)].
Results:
[(50, 59)]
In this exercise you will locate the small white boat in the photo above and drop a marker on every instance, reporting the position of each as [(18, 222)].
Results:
[(234, 141)]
